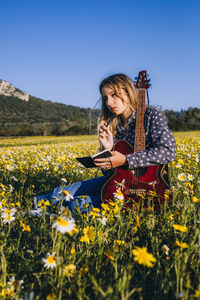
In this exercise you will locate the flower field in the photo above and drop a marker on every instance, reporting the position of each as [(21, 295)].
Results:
[(105, 253)]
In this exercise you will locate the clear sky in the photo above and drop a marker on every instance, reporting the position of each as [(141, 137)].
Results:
[(61, 50)]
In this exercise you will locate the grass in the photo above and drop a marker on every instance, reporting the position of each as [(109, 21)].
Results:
[(109, 254)]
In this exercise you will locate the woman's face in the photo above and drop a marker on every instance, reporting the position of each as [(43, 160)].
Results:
[(113, 102)]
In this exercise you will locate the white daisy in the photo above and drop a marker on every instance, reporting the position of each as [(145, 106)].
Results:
[(119, 195), (152, 182), (7, 218), (10, 168), (178, 166), (49, 261), (182, 177), (64, 224), (64, 180), (102, 220), (120, 184), (10, 211), (165, 249), (67, 195), (190, 177)]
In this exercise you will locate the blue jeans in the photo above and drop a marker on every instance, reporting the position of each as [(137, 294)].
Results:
[(90, 189)]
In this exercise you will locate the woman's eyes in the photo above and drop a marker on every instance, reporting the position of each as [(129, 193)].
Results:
[(105, 98)]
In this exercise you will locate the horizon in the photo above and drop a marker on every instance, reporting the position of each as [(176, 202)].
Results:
[(60, 51), (177, 111)]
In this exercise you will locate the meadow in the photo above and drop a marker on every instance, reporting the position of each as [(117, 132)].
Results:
[(105, 253)]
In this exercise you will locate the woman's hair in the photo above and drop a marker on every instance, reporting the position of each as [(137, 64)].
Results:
[(120, 84)]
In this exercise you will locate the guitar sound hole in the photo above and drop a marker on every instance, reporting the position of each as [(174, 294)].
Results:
[(140, 171)]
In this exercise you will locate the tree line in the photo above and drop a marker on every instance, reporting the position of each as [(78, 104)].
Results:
[(39, 117)]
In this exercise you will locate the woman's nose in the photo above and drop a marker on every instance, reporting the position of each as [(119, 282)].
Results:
[(109, 101)]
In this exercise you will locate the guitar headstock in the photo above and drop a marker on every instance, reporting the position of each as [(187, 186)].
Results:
[(142, 81)]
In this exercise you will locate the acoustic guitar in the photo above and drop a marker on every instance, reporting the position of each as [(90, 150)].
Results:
[(143, 183)]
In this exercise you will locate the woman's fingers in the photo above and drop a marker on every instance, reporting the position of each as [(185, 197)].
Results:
[(103, 163), (103, 128)]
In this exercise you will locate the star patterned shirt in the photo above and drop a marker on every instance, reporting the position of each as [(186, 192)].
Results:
[(160, 143)]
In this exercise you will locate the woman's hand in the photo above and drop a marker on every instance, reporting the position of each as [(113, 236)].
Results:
[(116, 160), (106, 137)]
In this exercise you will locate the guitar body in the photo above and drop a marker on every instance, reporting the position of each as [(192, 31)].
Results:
[(146, 182)]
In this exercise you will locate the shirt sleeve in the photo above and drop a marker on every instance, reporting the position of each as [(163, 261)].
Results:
[(162, 146)]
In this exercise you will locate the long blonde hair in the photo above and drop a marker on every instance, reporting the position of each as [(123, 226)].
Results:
[(120, 84)]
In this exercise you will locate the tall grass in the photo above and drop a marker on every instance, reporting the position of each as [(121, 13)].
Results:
[(101, 257)]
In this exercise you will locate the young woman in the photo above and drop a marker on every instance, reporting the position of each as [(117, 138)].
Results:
[(119, 97)]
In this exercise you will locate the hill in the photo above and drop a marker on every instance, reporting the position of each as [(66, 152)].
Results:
[(40, 117), (24, 115)]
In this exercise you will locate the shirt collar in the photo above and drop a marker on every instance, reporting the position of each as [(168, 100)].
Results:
[(132, 118)]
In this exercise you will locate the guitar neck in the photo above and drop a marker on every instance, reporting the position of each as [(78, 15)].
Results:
[(139, 143)]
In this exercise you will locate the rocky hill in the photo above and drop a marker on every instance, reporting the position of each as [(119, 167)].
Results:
[(23, 114), (7, 89)]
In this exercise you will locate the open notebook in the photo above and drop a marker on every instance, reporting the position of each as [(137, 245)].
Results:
[(88, 161)]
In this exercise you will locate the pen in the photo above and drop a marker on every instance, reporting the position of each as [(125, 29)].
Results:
[(112, 117)]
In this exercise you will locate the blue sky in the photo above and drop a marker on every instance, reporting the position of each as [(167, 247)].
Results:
[(61, 50)]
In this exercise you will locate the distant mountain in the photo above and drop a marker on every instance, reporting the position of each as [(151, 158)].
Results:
[(7, 89), (23, 114)]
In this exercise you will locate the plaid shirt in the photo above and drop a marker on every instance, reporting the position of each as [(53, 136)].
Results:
[(160, 144)]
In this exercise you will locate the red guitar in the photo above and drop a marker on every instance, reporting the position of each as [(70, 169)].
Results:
[(141, 183)]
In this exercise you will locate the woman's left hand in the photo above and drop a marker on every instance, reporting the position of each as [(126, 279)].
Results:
[(116, 160)]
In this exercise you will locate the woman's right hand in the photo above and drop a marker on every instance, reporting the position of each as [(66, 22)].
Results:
[(106, 137)]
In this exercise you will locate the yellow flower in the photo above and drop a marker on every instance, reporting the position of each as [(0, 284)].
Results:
[(105, 206), (143, 257), (94, 214), (177, 213), (180, 228), (152, 193), (137, 221), (197, 294), (89, 234), (195, 199), (26, 228), (69, 270), (3, 290), (109, 256), (97, 210), (51, 296), (83, 270), (100, 233), (119, 242), (72, 251), (43, 204), (181, 245)]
